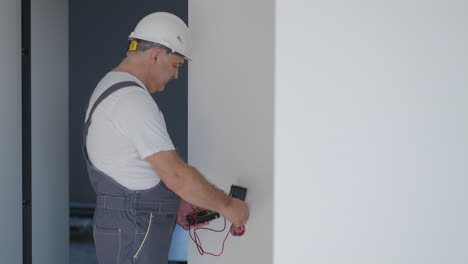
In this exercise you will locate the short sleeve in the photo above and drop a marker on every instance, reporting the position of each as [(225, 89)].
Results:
[(138, 118)]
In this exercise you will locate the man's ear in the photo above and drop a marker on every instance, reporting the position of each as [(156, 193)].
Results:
[(156, 53)]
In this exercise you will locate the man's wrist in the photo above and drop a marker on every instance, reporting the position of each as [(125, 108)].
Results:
[(225, 204)]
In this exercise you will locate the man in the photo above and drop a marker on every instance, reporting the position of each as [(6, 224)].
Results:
[(142, 185)]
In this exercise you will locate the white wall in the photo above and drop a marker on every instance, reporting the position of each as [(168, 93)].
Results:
[(371, 132), (231, 116), (49, 92), (10, 132)]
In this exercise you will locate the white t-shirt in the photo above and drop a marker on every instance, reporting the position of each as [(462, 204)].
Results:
[(126, 127)]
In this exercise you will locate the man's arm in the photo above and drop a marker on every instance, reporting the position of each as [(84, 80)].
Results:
[(190, 185)]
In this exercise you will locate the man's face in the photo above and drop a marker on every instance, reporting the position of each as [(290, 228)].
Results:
[(165, 68)]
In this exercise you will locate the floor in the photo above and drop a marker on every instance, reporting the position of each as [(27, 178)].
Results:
[(82, 253)]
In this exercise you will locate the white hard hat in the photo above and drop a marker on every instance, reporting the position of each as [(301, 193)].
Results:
[(165, 29)]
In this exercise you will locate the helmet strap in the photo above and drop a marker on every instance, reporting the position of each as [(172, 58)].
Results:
[(138, 45)]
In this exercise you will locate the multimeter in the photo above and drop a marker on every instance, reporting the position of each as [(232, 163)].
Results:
[(208, 215)]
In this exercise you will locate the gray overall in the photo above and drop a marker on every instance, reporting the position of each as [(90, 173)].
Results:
[(130, 226)]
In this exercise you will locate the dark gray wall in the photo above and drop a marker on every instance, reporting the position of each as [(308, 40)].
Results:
[(98, 40)]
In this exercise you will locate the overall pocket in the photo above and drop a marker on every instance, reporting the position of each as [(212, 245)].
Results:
[(153, 237), (108, 244), (140, 223)]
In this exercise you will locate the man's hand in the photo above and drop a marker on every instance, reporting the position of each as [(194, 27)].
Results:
[(237, 212), (186, 208)]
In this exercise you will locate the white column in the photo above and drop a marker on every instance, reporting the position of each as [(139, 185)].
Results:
[(49, 96), (371, 132), (231, 117), (10, 132), (370, 127)]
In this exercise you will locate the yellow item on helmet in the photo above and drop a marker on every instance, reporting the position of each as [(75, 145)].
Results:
[(132, 46)]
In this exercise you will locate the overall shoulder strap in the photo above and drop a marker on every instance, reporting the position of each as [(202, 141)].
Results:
[(108, 92)]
